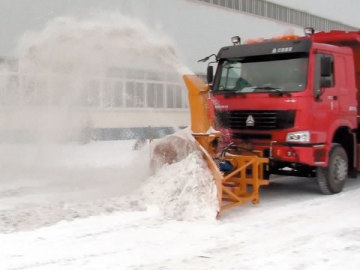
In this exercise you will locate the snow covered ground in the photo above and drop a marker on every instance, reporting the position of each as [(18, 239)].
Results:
[(83, 207)]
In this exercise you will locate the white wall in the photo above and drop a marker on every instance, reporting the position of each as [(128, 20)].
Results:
[(35, 119)]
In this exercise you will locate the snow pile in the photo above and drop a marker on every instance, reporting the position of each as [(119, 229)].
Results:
[(33, 217), (181, 191), (184, 190), (78, 181)]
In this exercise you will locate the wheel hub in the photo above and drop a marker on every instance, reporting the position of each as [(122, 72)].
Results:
[(339, 169)]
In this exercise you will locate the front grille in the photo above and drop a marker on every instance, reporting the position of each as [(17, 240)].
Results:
[(248, 136), (256, 119)]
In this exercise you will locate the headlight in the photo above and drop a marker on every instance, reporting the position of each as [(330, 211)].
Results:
[(298, 136)]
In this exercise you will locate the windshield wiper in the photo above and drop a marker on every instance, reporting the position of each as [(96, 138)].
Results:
[(228, 93), (276, 89)]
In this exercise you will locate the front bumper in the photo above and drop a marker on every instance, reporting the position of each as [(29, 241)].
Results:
[(309, 154), (284, 152)]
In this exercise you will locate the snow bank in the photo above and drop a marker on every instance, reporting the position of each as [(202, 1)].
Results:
[(73, 190), (32, 217), (184, 190), (181, 191)]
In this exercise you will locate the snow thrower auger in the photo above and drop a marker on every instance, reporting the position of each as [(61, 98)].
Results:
[(238, 177)]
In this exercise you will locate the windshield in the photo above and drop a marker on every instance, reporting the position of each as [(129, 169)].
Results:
[(287, 72)]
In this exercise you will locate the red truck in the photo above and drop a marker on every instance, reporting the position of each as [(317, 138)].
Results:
[(295, 99)]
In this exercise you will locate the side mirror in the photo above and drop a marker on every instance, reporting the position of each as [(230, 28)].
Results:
[(325, 83), (326, 66), (210, 74)]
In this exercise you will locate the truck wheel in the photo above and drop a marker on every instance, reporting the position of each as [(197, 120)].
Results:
[(331, 179)]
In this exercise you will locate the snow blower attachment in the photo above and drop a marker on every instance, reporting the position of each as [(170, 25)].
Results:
[(238, 177)]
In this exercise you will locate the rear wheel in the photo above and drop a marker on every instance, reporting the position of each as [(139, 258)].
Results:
[(331, 179)]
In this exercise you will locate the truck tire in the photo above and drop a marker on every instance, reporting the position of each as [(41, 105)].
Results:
[(331, 179)]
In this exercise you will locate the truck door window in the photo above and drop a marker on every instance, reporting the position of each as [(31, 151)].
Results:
[(324, 81)]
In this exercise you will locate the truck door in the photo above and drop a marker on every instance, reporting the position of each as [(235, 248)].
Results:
[(347, 90), (326, 106)]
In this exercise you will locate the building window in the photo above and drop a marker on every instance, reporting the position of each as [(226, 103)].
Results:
[(231, 4), (170, 96), (134, 94), (155, 95), (250, 6), (244, 5), (269, 10), (173, 96), (237, 4), (118, 94), (262, 8), (184, 96), (178, 96), (107, 94)]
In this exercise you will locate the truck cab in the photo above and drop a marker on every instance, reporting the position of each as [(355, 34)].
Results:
[(295, 99)]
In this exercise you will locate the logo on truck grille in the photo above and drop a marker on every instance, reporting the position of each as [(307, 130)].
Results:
[(250, 121)]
